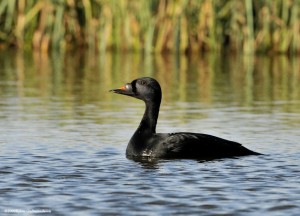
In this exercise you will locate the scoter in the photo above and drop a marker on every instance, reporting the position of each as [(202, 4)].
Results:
[(146, 143)]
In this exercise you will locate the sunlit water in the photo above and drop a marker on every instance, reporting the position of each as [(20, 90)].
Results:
[(63, 136)]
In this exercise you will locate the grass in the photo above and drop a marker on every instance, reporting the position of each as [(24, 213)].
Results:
[(181, 26)]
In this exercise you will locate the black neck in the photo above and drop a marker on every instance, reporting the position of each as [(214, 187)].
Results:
[(149, 120)]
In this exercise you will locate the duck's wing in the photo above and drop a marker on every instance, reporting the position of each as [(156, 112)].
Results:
[(194, 145)]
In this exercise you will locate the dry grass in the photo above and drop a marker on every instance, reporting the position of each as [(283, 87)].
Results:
[(265, 26)]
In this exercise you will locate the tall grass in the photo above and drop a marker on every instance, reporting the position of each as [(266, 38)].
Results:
[(152, 25)]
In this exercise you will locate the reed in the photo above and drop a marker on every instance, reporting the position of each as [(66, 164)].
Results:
[(264, 26)]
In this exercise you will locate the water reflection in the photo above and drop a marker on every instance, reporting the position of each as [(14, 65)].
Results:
[(63, 136), (87, 77), (64, 86), (155, 164)]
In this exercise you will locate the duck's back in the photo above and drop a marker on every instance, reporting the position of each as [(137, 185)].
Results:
[(193, 145)]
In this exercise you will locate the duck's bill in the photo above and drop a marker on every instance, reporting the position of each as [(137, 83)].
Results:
[(124, 90)]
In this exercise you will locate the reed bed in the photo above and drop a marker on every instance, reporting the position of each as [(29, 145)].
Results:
[(182, 26)]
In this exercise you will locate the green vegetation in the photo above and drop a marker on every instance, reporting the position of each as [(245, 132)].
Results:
[(265, 26)]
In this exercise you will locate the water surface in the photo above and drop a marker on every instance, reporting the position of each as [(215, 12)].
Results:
[(63, 136)]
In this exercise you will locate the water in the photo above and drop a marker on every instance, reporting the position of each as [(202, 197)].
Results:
[(63, 136)]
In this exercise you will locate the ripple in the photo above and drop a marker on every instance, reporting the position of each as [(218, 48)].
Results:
[(283, 207), (74, 161)]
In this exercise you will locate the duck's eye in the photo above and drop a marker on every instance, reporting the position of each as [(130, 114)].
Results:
[(143, 82)]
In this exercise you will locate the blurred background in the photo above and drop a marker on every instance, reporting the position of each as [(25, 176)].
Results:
[(156, 26), (230, 52), (57, 45), (242, 54), (230, 68)]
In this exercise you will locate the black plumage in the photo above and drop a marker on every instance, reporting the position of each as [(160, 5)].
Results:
[(145, 142)]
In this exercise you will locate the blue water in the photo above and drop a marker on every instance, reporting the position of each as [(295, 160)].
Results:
[(64, 153)]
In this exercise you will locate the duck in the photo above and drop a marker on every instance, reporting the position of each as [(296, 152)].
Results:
[(146, 143)]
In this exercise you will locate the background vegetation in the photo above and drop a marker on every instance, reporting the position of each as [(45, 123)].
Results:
[(266, 26)]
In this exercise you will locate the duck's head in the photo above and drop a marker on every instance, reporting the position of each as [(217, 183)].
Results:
[(145, 88)]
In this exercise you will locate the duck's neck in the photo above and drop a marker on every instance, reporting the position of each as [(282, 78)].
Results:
[(149, 120)]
